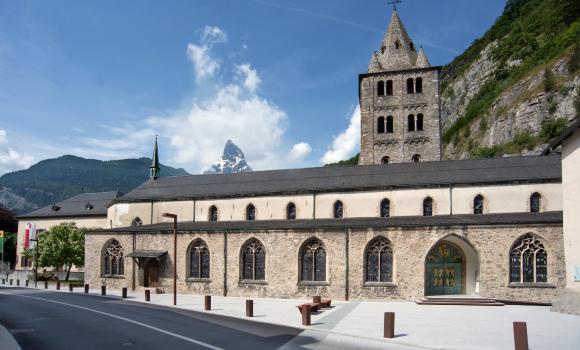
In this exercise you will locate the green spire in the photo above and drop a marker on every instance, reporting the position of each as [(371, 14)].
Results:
[(154, 168)]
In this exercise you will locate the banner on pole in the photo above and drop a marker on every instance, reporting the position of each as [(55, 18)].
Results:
[(29, 234), (2, 243)]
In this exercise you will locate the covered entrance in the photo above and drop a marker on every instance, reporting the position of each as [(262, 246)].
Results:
[(451, 268), (152, 271), (150, 263)]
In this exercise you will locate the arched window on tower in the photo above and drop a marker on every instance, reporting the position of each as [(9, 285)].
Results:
[(379, 261), (250, 212), (313, 261), (411, 122), (198, 259), (389, 88), (385, 208), (390, 124), (416, 158), (381, 125), (291, 211), (419, 123), (528, 261), (213, 213), (419, 85), (410, 86), (397, 44), (412, 45), (385, 160), (428, 206), (338, 210), (381, 88), (478, 204), (535, 202), (253, 261)]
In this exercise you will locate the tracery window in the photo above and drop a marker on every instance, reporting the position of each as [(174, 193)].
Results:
[(389, 88), (198, 259), (250, 212), (419, 85), (410, 86), (136, 222), (379, 261), (338, 210), (411, 122), (478, 204), (528, 260), (428, 206), (535, 201), (253, 261), (291, 211), (313, 261), (381, 88), (390, 124), (113, 259), (419, 122), (381, 125), (385, 208), (213, 213)]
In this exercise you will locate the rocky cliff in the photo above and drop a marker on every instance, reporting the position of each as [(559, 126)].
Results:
[(232, 161)]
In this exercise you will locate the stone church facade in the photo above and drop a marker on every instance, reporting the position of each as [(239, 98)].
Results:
[(401, 225)]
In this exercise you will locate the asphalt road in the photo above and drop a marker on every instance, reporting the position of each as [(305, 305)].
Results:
[(50, 320)]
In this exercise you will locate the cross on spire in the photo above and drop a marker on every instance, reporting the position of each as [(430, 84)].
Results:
[(394, 3)]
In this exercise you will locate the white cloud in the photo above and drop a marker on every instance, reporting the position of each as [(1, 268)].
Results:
[(249, 76), (213, 35), (299, 151), (3, 139), (346, 143), (200, 55), (10, 159)]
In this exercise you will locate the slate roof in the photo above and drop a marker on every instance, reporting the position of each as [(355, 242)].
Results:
[(396, 221), (327, 179), (84, 204)]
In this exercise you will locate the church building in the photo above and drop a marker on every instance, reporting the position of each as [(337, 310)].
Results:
[(401, 225)]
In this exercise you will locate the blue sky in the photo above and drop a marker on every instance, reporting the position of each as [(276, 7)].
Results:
[(279, 77)]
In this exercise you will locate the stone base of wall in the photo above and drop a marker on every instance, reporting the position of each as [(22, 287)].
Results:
[(568, 302)]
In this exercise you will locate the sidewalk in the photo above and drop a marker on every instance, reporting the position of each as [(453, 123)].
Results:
[(429, 326)]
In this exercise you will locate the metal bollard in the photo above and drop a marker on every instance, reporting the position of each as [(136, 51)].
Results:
[(147, 295), (520, 335), (207, 303), (18, 282), (3, 281), (103, 290), (249, 308), (57, 285), (70, 287), (11, 281), (306, 312), (45, 284), (124, 293), (86, 289), (389, 331), (317, 299), (26, 283)]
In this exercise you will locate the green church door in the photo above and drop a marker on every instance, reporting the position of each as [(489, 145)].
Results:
[(444, 270)]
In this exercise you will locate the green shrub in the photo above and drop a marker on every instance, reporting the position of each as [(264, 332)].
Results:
[(549, 80), (552, 128)]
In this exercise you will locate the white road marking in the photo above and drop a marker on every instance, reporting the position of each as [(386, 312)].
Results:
[(197, 342)]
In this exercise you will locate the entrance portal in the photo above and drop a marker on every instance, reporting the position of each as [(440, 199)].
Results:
[(445, 270), (151, 273)]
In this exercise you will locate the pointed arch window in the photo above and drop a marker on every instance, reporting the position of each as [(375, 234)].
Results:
[(379, 261), (250, 212), (253, 261), (416, 158), (397, 44), (419, 85), (419, 123), (411, 122), (385, 160), (385, 208), (389, 88), (199, 259), (528, 261), (136, 222), (410, 86), (428, 206), (113, 259), (535, 202), (313, 261), (291, 211), (478, 204), (338, 210), (381, 88), (213, 213), (390, 124), (381, 125)]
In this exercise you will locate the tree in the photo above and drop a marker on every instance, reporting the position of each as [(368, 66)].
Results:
[(62, 245), (9, 225)]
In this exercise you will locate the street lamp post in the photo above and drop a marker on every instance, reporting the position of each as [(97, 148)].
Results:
[(174, 217)]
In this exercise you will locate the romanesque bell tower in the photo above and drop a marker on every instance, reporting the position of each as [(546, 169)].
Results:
[(399, 100)]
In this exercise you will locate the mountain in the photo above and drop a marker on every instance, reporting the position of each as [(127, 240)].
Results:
[(232, 161), (53, 180), (514, 90)]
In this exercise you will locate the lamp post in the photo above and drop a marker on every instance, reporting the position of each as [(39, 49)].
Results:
[(174, 217)]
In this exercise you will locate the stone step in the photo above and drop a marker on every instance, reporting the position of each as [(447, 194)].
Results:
[(458, 301)]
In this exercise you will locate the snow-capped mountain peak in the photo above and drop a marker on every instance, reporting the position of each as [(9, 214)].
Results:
[(232, 161)]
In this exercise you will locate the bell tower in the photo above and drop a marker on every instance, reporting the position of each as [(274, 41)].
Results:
[(399, 100)]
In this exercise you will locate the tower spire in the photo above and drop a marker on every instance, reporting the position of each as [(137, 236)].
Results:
[(154, 169)]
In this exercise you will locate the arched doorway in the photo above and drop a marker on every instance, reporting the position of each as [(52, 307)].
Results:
[(451, 268), (151, 273)]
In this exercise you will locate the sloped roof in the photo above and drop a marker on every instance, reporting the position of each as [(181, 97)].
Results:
[(84, 204), (355, 178), (565, 134)]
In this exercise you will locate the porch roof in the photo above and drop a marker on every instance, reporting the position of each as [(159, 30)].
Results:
[(156, 254)]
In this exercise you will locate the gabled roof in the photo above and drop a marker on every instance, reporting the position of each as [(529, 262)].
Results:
[(82, 205), (355, 178)]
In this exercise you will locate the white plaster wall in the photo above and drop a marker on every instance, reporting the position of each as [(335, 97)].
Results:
[(571, 203), (267, 208), (183, 209), (122, 214), (471, 264), (507, 198)]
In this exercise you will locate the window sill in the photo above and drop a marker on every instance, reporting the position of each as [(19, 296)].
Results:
[(530, 285), (116, 277), (313, 283), (258, 282), (198, 280), (379, 284)]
